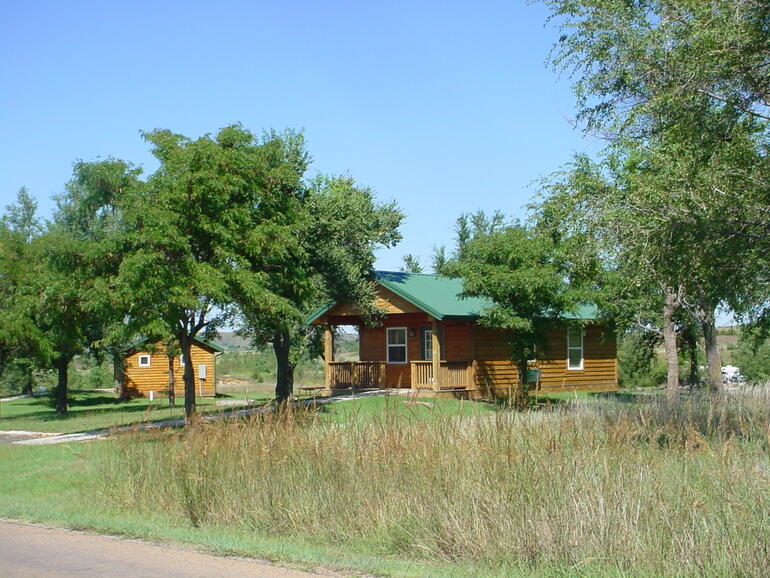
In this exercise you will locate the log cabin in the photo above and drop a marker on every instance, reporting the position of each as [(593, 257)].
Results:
[(429, 338), (145, 369)]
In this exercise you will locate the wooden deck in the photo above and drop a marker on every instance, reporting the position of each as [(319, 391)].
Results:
[(366, 374), (453, 375), (359, 374)]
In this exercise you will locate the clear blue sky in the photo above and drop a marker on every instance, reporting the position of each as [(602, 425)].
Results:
[(445, 107)]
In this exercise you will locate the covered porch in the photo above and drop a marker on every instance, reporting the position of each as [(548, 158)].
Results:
[(372, 374), (426, 339), (407, 351)]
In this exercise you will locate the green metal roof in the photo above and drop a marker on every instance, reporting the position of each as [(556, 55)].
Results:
[(142, 340), (438, 296), (441, 297)]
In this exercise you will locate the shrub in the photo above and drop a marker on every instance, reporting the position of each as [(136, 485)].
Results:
[(752, 355), (638, 363)]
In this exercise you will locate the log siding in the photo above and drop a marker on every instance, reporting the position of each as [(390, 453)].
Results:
[(140, 381), (487, 352)]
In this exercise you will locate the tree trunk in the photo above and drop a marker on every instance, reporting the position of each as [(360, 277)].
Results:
[(284, 383), (669, 341), (185, 342), (121, 386), (688, 348), (692, 350), (61, 364), (27, 388), (713, 357), (4, 354), (171, 381)]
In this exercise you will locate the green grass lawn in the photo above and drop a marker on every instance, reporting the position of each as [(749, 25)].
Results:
[(402, 406), (90, 410)]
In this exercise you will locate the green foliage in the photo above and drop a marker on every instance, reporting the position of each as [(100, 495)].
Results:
[(638, 362), (525, 276), (19, 261), (21, 216), (439, 260), (341, 225), (171, 256), (411, 264), (22, 375), (676, 206), (91, 373), (633, 59), (260, 366), (752, 355)]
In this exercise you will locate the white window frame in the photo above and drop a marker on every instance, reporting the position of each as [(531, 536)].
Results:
[(181, 360), (427, 344), (388, 345), (575, 348), (145, 356)]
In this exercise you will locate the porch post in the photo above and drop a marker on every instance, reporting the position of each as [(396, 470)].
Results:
[(436, 356), (328, 355)]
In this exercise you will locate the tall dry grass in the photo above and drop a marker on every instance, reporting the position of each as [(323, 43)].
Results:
[(664, 488)]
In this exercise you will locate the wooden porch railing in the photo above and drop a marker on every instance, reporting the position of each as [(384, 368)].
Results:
[(356, 374), (454, 375)]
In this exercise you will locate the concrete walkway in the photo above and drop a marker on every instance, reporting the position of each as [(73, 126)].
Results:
[(39, 439), (28, 550)]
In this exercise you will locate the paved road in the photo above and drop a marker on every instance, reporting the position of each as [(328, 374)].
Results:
[(28, 551)]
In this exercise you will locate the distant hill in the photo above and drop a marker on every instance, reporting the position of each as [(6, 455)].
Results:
[(231, 341)]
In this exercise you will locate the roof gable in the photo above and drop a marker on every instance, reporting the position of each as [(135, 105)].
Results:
[(440, 297)]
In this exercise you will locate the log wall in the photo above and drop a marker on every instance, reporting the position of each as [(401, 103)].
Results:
[(141, 380), (600, 366)]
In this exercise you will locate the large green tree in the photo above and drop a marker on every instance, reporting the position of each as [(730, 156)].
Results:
[(21, 341), (679, 87), (210, 228), (523, 271), (340, 227), (87, 244)]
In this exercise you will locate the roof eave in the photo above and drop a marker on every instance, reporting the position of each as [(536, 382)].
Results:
[(322, 310)]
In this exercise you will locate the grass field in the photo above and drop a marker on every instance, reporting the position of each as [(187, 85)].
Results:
[(593, 486), (400, 407), (88, 411), (58, 485)]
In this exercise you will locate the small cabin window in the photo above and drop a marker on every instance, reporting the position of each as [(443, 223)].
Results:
[(427, 344), (396, 344), (144, 361), (181, 360), (574, 348)]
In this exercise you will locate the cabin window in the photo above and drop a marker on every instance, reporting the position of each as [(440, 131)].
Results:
[(427, 344), (396, 344), (574, 348), (144, 361), (181, 360)]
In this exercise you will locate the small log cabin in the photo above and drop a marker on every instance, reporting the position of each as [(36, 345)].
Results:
[(429, 338), (145, 369)]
